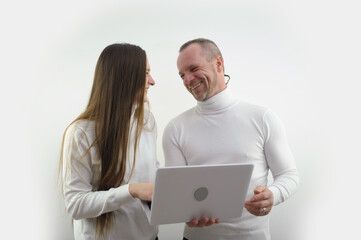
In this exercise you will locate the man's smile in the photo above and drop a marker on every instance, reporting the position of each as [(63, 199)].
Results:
[(195, 86)]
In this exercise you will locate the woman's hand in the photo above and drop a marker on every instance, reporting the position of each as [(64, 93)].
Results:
[(143, 191)]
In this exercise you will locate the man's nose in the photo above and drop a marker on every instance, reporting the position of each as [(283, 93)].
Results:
[(188, 78)]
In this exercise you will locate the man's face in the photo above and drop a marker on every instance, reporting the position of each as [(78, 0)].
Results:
[(199, 75)]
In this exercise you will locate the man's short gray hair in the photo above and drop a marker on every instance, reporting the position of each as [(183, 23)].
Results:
[(209, 48)]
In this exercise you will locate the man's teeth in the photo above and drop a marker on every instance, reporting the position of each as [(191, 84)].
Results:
[(194, 87)]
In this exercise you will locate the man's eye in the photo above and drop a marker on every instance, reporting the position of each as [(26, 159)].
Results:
[(181, 76), (194, 69)]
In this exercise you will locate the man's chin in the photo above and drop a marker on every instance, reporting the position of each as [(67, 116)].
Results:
[(200, 97)]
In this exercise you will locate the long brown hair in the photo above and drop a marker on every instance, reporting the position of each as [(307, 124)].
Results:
[(117, 95)]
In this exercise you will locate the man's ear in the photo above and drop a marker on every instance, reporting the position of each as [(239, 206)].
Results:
[(219, 63)]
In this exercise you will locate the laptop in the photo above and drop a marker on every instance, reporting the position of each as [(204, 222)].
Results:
[(185, 193)]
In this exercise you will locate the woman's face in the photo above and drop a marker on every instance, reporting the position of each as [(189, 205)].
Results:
[(149, 81)]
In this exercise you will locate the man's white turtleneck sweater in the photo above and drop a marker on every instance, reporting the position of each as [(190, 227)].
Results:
[(225, 130)]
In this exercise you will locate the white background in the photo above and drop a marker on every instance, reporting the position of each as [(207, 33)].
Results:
[(300, 58)]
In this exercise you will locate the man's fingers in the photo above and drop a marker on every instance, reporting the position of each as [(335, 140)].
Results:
[(259, 189), (193, 223), (264, 195), (210, 222), (261, 203), (203, 222), (259, 208), (259, 197)]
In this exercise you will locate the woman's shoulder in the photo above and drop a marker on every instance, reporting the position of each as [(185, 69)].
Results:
[(81, 128), (83, 125)]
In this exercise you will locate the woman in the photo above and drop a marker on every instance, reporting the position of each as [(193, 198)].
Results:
[(109, 151)]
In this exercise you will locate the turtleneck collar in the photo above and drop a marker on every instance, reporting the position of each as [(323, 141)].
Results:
[(218, 103)]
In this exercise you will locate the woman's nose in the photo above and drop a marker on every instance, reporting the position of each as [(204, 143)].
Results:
[(151, 81)]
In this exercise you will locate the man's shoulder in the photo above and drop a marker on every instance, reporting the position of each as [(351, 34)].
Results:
[(183, 118), (186, 114), (251, 108)]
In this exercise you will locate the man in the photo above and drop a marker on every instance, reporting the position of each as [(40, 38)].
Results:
[(222, 129)]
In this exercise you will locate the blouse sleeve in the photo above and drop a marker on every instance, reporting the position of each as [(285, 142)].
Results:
[(279, 159), (80, 199)]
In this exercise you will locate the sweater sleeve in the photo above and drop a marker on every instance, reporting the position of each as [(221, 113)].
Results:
[(80, 199), (173, 154), (279, 159)]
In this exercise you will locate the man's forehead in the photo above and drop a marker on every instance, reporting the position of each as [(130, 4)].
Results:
[(193, 49), (189, 57)]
